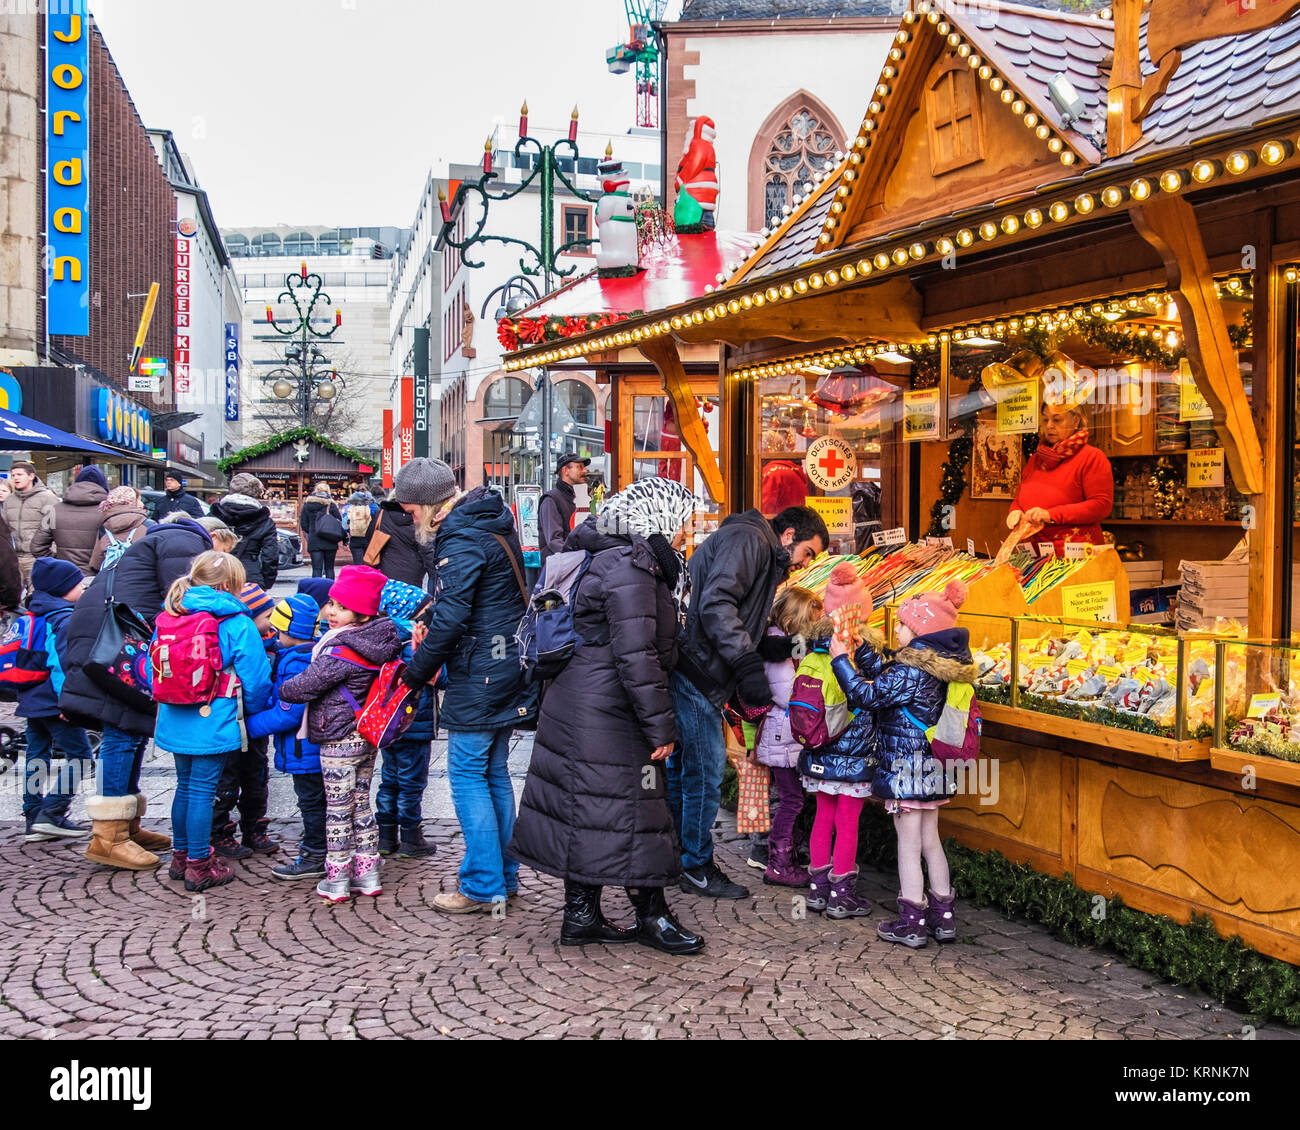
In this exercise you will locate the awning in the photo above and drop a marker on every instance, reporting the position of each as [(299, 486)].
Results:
[(22, 433)]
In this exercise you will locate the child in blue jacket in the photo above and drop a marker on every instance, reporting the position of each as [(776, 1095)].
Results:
[(200, 738), (404, 765), (47, 792), (294, 619)]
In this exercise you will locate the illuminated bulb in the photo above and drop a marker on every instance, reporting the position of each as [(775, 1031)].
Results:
[(943, 245), (772, 294), (882, 91), (864, 266), (887, 71), (900, 255), (1042, 132), (847, 272), (787, 291), (917, 251), (837, 207), (1018, 106), (1140, 189), (1010, 225), (963, 50), (988, 230), (745, 303), (1008, 95), (875, 107), (881, 260), (1067, 158), (1031, 119), (1238, 162), (974, 62), (995, 84), (1203, 171), (1171, 180), (801, 286), (1034, 218), (954, 39), (1273, 152), (1112, 196), (1084, 203), (965, 238), (895, 54), (985, 71), (830, 278), (1059, 211), (1054, 144)]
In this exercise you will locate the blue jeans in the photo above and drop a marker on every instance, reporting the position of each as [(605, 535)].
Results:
[(120, 755), (485, 806), (694, 776), (404, 772), (48, 788), (196, 783)]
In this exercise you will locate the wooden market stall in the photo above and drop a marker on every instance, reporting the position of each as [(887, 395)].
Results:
[(1110, 197)]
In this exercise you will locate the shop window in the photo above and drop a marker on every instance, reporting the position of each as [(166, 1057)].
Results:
[(578, 399), (505, 398), (577, 226), (956, 128)]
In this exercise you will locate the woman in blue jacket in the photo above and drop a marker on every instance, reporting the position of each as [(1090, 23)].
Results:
[(199, 737)]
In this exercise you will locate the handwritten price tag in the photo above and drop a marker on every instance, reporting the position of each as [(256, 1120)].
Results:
[(1261, 704)]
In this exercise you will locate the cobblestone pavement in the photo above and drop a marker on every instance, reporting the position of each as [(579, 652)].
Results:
[(89, 952)]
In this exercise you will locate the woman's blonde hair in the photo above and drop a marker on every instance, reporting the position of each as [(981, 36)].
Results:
[(216, 570), (427, 522), (797, 611)]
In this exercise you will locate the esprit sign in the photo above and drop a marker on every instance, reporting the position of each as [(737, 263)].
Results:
[(67, 180)]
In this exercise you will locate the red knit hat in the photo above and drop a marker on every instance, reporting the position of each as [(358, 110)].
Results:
[(357, 589), (929, 612), (845, 587)]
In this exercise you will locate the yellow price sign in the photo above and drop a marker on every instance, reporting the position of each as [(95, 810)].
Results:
[(837, 513), (1110, 672), (1261, 704), (1191, 404), (1205, 467), (1089, 602), (1018, 408), (1133, 656), (1077, 666)]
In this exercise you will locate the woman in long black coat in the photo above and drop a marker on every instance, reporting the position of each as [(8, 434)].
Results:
[(595, 809)]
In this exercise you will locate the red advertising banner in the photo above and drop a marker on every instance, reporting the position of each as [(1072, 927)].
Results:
[(386, 468), (181, 360), (408, 421)]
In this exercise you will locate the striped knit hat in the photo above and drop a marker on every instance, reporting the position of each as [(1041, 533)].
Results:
[(256, 599)]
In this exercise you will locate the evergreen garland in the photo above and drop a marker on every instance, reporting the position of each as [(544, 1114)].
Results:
[(266, 446)]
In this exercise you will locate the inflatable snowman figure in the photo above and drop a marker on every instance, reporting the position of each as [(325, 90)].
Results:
[(616, 218)]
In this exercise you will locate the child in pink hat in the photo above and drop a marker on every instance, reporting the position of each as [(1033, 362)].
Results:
[(906, 695), (335, 683)]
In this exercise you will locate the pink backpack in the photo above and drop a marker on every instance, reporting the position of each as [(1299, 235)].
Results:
[(185, 660), (390, 704)]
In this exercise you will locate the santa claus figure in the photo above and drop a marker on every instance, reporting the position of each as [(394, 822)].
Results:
[(697, 181), (616, 220)]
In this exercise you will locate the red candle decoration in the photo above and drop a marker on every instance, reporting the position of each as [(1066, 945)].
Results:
[(487, 155), (573, 125), (338, 317), (523, 119), (269, 316), (304, 270), (444, 205)]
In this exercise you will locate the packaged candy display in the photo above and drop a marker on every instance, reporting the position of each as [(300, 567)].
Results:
[(1261, 700)]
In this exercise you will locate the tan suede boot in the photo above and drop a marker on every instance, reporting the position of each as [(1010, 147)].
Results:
[(110, 840), (150, 841)]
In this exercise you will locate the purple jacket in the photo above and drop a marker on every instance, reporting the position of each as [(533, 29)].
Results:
[(330, 716)]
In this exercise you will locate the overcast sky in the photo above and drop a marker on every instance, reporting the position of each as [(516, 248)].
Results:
[(333, 111)]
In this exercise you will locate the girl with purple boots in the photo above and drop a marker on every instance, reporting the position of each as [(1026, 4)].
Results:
[(906, 694), (796, 616)]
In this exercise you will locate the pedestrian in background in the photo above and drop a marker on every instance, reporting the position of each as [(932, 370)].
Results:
[(74, 522), (558, 505), (393, 549), (358, 514), (244, 512), (26, 510), (322, 529), (11, 576), (479, 598), (122, 522), (177, 498)]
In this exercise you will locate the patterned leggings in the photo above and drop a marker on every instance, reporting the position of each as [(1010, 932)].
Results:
[(350, 827)]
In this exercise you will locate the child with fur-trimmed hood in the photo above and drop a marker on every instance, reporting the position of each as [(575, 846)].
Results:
[(905, 691)]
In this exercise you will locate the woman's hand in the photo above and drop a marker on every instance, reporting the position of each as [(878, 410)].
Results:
[(1038, 514), (838, 646), (661, 752), (418, 633), (1013, 519)]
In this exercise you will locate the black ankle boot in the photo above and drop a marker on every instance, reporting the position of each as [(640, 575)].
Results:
[(412, 844), (387, 839), (655, 925), (583, 921)]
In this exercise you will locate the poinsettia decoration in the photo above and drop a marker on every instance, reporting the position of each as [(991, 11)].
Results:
[(507, 335), (516, 333)]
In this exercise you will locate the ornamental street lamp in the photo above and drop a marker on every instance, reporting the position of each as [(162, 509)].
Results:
[(309, 375)]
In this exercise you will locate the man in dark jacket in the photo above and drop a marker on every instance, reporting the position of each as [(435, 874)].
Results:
[(140, 580), (177, 498), (76, 521), (558, 505), (734, 578), (259, 544), (11, 574), (478, 602)]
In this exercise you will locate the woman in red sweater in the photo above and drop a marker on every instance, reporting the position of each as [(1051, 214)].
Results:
[(1067, 487)]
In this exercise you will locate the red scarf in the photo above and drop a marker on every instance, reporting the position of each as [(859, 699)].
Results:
[(1051, 456)]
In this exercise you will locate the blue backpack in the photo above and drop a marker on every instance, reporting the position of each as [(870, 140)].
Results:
[(23, 660), (547, 638)]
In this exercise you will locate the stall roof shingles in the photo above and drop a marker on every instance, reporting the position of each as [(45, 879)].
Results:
[(1228, 84), (703, 10), (799, 242)]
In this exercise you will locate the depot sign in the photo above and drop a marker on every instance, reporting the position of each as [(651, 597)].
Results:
[(67, 181)]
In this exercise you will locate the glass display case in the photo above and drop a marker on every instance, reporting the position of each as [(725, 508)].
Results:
[(1258, 698)]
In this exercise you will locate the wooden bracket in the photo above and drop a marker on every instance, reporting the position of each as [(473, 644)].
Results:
[(1155, 84), (662, 353), (1169, 225)]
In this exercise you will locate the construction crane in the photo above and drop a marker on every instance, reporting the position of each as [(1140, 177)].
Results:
[(642, 52)]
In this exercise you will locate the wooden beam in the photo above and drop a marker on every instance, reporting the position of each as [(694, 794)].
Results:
[(662, 353), (1271, 523), (891, 310), (1123, 128), (1169, 225)]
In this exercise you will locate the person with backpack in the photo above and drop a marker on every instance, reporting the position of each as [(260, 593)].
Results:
[(595, 810), (479, 597), (243, 782), (75, 520), (294, 620), (357, 516), (906, 695), (244, 512), (393, 549), (322, 529), (140, 580), (335, 684), (838, 757), (47, 791), (122, 522), (209, 672)]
